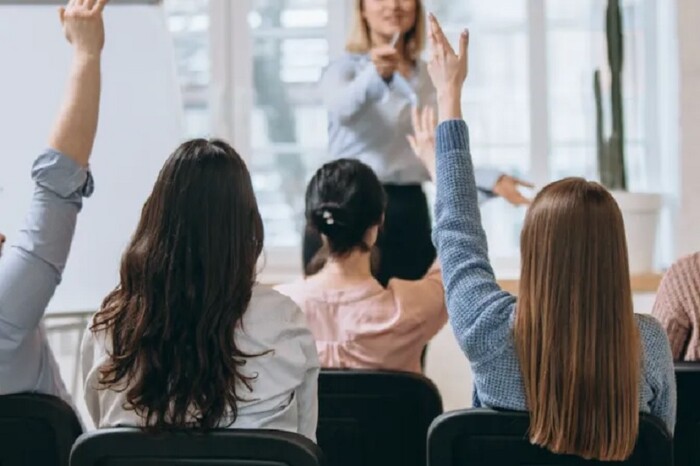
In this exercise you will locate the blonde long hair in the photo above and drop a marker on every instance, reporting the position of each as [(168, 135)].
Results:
[(359, 40), (575, 331)]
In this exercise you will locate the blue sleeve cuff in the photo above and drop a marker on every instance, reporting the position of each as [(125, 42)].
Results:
[(61, 175), (452, 136)]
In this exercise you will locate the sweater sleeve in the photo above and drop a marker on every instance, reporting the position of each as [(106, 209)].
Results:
[(478, 309)]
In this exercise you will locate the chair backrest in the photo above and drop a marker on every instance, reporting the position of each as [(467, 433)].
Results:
[(371, 418), (483, 437), (130, 446), (36, 430), (686, 439)]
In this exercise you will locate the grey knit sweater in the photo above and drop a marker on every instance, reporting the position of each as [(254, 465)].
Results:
[(482, 314)]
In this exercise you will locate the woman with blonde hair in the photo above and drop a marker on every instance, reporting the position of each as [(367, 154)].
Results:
[(369, 93), (572, 352)]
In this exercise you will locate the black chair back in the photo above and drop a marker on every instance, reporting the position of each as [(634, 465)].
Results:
[(221, 447), (372, 418), (36, 430), (483, 437), (686, 443)]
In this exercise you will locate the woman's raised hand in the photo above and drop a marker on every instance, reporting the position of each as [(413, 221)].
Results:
[(448, 70)]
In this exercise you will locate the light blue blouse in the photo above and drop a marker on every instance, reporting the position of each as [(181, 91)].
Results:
[(369, 119)]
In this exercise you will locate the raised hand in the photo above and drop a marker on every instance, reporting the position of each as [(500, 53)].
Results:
[(83, 25), (73, 134), (423, 140), (386, 60), (508, 187), (448, 70)]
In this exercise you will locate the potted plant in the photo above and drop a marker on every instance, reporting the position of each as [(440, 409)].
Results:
[(641, 211)]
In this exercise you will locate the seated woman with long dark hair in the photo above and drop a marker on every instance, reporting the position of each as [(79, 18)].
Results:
[(187, 339)]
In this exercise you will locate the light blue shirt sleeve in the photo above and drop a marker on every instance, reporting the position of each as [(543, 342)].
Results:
[(346, 90), (31, 270)]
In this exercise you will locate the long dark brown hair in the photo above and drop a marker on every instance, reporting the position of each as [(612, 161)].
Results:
[(575, 332), (186, 281)]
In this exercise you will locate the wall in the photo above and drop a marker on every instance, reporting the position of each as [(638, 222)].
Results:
[(140, 124)]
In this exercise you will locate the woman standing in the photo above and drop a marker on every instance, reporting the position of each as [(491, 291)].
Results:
[(369, 93)]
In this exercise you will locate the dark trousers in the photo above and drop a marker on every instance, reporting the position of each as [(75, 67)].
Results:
[(405, 247)]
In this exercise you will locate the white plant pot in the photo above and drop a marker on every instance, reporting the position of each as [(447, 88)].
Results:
[(641, 212)]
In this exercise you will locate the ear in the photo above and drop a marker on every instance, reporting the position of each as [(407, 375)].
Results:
[(371, 236)]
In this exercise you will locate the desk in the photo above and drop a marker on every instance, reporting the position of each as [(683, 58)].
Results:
[(645, 283)]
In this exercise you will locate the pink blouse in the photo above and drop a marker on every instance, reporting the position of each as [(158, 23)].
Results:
[(370, 327)]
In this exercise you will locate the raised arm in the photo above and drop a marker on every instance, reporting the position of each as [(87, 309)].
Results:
[(74, 132), (479, 310), (31, 270)]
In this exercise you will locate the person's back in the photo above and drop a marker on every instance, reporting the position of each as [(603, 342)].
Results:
[(356, 322), (187, 340), (573, 354), (677, 307)]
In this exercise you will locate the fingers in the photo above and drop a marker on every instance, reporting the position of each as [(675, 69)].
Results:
[(435, 44), (433, 118), (440, 37), (413, 143), (429, 122), (518, 199), (463, 44), (526, 184), (99, 6), (415, 119), (62, 14), (91, 6)]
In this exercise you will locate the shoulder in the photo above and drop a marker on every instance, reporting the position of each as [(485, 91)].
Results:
[(650, 330), (686, 269), (655, 344), (347, 64), (269, 303), (294, 290), (273, 320), (411, 293)]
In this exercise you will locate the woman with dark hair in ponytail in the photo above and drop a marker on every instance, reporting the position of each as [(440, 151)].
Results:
[(358, 323)]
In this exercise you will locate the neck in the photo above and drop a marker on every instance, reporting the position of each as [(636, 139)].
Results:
[(355, 266)]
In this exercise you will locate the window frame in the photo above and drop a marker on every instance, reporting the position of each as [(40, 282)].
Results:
[(232, 100)]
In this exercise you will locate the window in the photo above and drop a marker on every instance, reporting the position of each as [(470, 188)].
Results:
[(188, 20), (496, 99), (529, 98), (288, 137)]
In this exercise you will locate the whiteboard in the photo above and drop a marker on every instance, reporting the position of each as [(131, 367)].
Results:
[(140, 125)]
